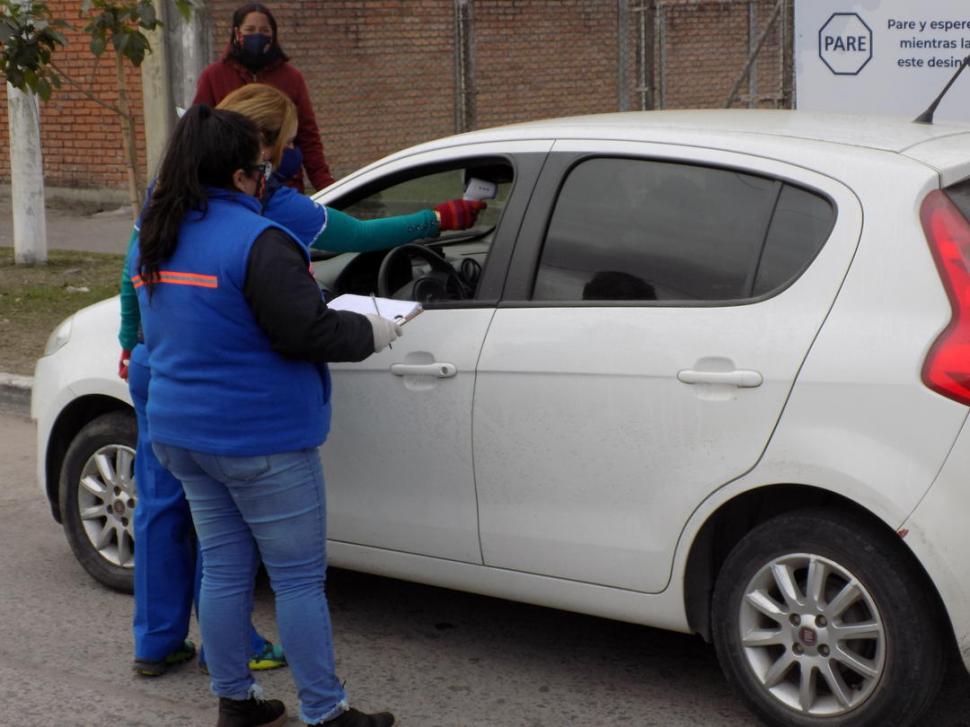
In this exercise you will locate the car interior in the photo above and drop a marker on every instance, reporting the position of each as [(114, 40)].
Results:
[(429, 270)]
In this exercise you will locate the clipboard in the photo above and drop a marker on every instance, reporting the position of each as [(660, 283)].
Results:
[(398, 311)]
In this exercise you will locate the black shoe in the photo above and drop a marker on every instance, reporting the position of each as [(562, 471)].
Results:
[(356, 718), (251, 712), (149, 668)]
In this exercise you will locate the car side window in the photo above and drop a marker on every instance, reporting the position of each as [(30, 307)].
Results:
[(642, 230), (424, 192), (800, 226), (446, 268)]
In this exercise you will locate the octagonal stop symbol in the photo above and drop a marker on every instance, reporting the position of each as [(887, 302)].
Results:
[(845, 44)]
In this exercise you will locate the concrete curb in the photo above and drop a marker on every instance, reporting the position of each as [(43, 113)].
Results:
[(15, 393)]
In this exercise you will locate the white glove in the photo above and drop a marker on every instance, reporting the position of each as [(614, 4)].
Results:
[(385, 331)]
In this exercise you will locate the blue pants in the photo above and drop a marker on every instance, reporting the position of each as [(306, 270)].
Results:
[(167, 569), (272, 507)]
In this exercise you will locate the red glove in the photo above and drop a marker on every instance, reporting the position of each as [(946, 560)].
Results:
[(123, 364), (458, 214)]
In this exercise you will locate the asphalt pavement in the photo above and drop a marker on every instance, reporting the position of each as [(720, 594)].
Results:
[(437, 658)]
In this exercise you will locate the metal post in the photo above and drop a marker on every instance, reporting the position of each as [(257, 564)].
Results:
[(26, 176), (754, 54), (465, 112), (622, 51), (753, 73), (662, 70)]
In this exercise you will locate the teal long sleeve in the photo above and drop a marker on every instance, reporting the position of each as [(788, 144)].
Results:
[(344, 233), (130, 317)]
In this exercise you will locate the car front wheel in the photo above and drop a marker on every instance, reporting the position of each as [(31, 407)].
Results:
[(98, 498), (822, 620)]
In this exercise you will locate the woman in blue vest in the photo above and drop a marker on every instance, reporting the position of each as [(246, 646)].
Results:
[(164, 565), (238, 338)]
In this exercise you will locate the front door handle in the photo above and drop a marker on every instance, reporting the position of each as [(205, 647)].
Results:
[(742, 378), (439, 370)]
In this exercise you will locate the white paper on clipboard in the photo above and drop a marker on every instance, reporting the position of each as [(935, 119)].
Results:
[(398, 311)]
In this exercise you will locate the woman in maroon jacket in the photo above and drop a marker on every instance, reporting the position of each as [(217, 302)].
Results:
[(254, 55)]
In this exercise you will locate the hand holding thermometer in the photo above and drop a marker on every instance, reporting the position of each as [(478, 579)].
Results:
[(479, 189)]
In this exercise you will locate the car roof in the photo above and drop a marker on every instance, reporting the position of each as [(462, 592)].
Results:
[(795, 136), (874, 132)]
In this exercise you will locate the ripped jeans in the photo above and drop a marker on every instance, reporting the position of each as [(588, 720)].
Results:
[(272, 507)]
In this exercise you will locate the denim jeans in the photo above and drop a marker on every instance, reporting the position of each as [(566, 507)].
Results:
[(272, 507)]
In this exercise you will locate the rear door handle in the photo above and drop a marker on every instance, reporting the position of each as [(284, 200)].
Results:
[(439, 370), (743, 378)]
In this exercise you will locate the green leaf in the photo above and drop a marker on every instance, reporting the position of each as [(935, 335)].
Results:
[(86, 6), (148, 17), (98, 45), (43, 89), (185, 8), (120, 41)]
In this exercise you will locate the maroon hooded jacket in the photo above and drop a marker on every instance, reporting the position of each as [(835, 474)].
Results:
[(224, 76)]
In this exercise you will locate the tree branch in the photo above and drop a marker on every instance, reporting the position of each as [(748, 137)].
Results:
[(86, 92)]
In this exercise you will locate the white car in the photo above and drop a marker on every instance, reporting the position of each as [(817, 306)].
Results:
[(704, 371)]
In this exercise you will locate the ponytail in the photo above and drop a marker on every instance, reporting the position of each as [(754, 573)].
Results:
[(206, 149)]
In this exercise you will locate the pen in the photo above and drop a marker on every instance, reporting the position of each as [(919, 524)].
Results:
[(378, 310)]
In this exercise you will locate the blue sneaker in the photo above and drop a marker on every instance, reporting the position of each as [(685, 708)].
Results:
[(271, 657)]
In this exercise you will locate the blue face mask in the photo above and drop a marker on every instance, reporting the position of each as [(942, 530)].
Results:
[(290, 164), (256, 45)]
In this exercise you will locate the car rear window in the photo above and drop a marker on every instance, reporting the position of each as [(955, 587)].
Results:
[(959, 194), (635, 229)]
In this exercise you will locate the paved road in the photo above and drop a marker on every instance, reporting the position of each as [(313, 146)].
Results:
[(438, 658)]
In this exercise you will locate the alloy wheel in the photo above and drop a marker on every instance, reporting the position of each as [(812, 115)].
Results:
[(106, 503), (812, 635)]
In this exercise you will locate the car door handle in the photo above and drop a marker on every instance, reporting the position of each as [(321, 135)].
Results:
[(440, 370), (743, 378)]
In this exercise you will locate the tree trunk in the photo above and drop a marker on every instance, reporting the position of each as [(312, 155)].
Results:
[(136, 189), (26, 179)]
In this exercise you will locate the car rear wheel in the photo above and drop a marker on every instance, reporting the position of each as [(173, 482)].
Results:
[(98, 498), (822, 620)]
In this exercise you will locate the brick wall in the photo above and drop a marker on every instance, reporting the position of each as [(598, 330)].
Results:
[(541, 59), (702, 46), (382, 73), (81, 140)]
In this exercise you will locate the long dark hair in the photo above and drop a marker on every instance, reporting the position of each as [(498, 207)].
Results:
[(275, 50), (206, 148)]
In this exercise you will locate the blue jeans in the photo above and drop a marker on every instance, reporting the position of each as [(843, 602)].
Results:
[(167, 569), (272, 507)]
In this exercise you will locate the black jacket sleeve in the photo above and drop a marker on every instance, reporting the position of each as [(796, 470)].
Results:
[(287, 304)]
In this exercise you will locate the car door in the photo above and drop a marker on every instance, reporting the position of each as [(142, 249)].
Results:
[(398, 460), (659, 305)]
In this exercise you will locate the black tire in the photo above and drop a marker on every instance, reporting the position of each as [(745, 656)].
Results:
[(109, 434), (908, 651)]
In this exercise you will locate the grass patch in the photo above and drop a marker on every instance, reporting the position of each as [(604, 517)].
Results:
[(35, 298)]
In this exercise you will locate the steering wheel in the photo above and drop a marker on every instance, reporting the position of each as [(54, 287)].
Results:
[(394, 279)]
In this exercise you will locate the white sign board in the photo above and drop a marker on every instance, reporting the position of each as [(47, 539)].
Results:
[(882, 56)]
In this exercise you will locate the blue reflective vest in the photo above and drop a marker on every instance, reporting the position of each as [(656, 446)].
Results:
[(217, 385)]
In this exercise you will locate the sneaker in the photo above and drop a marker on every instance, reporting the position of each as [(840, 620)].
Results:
[(149, 668), (355, 718), (271, 657), (251, 712)]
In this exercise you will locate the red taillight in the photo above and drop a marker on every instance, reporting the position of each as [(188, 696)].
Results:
[(947, 366)]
